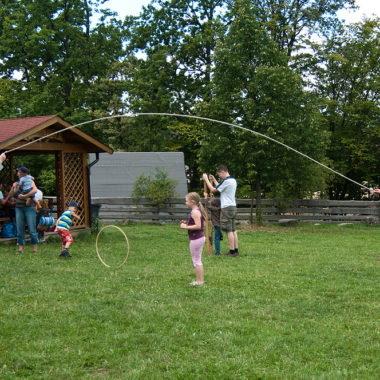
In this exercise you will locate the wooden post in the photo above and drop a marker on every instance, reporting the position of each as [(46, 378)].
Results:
[(208, 247)]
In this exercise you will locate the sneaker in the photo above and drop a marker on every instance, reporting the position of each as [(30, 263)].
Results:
[(196, 283), (65, 253), (235, 254)]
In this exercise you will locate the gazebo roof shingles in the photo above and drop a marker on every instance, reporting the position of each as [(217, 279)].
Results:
[(12, 127)]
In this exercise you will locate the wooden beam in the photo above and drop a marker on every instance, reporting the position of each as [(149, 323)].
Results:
[(51, 146)]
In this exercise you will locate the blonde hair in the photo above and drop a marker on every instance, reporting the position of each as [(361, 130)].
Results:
[(195, 197)]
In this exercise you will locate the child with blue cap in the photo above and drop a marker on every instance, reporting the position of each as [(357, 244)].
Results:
[(63, 226)]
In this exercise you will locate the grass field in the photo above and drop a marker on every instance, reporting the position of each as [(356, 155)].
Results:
[(300, 303)]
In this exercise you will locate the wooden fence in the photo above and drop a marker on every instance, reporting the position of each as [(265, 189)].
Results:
[(115, 210)]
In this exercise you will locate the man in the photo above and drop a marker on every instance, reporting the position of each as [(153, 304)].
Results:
[(227, 189)]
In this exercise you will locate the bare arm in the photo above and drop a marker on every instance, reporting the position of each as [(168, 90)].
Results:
[(11, 191), (208, 183), (75, 215), (197, 220), (31, 192)]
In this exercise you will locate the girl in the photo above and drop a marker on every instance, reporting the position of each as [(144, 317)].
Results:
[(194, 227)]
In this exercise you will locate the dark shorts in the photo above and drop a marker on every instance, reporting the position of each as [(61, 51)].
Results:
[(227, 219)]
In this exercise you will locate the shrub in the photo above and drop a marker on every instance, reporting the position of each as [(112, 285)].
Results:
[(157, 190)]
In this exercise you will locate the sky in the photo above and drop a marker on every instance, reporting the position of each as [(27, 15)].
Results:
[(133, 8)]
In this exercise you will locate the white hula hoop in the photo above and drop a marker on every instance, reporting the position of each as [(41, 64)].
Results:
[(97, 249)]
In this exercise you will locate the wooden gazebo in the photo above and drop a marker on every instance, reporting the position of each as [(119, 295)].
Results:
[(70, 148)]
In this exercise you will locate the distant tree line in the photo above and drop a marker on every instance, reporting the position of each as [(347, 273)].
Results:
[(290, 70)]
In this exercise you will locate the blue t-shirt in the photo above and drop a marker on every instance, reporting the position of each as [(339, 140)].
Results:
[(26, 182)]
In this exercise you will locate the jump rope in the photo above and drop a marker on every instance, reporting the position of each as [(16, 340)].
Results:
[(189, 117)]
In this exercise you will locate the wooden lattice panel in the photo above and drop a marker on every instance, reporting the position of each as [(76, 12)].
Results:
[(74, 183), (5, 174), (59, 178)]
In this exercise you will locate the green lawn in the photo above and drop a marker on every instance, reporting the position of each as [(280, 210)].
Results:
[(300, 303)]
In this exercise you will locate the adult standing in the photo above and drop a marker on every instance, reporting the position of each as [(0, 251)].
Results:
[(227, 189), (2, 159), (24, 213)]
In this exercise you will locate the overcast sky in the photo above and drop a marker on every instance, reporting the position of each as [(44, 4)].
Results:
[(133, 7)]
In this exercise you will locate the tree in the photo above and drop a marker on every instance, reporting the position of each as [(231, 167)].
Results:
[(175, 42), (57, 53), (9, 90), (255, 88), (287, 22), (347, 74)]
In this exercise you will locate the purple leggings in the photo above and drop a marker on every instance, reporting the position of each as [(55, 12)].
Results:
[(196, 247)]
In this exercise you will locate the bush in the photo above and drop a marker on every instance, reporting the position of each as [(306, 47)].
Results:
[(158, 190)]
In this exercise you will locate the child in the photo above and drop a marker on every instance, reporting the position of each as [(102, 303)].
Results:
[(214, 206), (26, 184), (194, 227), (63, 225)]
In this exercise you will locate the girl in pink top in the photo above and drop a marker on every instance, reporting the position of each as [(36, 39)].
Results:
[(194, 227)]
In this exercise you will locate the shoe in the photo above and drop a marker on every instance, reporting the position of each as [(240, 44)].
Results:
[(65, 253), (20, 252), (196, 283), (235, 254), (217, 253), (34, 252)]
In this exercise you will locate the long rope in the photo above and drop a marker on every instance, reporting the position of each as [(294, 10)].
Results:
[(198, 118)]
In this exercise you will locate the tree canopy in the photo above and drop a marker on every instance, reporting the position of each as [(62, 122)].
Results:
[(247, 62)]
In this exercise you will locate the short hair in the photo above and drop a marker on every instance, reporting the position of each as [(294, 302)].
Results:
[(222, 168)]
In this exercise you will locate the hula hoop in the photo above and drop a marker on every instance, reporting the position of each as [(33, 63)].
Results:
[(97, 250)]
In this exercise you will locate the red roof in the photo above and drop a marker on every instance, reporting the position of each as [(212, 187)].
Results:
[(13, 127)]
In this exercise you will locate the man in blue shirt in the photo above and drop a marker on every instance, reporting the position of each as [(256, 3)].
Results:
[(227, 189)]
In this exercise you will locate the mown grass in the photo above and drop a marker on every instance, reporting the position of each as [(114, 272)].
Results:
[(300, 303)]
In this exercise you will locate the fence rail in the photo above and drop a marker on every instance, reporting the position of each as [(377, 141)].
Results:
[(322, 211)]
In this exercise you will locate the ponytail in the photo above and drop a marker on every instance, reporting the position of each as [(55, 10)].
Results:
[(203, 211), (193, 196)]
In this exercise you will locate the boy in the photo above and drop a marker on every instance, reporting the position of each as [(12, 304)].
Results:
[(227, 190), (213, 205), (63, 226), (26, 184)]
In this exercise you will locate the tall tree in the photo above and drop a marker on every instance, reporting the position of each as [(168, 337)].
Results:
[(175, 43), (346, 72), (56, 52), (288, 22), (255, 88)]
